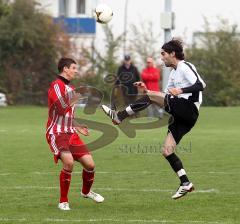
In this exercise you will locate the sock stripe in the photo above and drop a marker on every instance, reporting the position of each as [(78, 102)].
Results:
[(181, 172), (89, 171), (129, 110), (67, 171)]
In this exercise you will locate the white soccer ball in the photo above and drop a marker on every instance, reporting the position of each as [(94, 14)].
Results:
[(103, 13)]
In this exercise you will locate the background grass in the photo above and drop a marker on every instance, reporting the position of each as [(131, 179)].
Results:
[(137, 184)]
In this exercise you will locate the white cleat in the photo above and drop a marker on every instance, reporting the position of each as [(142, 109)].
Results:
[(183, 190), (64, 206), (94, 196), (111, 113)]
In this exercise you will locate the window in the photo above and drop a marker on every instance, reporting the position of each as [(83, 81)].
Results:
[(63, 7), (81, 6)]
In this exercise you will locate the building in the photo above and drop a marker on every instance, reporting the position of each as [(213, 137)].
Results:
[(76, 16), (68, 8)]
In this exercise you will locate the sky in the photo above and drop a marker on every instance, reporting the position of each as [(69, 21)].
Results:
[(188, 14)]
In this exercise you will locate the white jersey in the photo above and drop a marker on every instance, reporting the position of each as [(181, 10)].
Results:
[(185, 76)]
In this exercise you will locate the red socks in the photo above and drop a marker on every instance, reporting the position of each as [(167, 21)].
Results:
[(88, 178), (65, 179)]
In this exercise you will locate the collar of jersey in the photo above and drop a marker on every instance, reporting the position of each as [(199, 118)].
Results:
[(180, 62), (64, 80)]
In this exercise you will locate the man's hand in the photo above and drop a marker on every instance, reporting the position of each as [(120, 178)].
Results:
[(175, 91), (141, 87), (82, 129), (75, 98)]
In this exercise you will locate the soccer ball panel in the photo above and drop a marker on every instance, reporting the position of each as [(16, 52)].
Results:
[(103, 13)]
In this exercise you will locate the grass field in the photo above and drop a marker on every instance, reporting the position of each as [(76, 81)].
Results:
[(137, 186)]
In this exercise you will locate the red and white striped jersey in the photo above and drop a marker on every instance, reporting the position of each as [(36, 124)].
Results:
[(60, 113)]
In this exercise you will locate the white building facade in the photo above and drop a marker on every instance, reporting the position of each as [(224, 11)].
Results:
[(77, 17), (68, 8)]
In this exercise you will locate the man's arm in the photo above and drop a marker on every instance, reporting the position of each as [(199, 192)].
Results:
[(196, 87), (61, 100), (56, 95), (81, 128), (170, 85), (194, 78)]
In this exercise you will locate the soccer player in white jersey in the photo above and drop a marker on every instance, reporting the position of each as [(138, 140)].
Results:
[(62, 133), (181, 99)]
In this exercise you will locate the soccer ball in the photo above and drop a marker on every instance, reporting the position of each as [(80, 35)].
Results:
[(103, 13)]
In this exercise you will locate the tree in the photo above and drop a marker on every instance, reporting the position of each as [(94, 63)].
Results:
[(30, 44), (4, 8), (216, 56), (144, 42)]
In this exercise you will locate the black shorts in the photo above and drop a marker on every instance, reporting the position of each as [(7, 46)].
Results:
[(184, 116)]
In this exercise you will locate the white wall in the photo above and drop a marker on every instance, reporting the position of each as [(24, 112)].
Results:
[(52, 7), (49, 6)]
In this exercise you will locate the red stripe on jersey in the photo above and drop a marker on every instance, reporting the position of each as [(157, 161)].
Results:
[(60, 113)]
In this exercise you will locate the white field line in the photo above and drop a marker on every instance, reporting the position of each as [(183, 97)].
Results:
[(107, 189), (11, 220), (133, 221), (121, 172)]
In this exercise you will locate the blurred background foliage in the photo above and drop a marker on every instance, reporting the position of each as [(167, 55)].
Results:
[(31, 44)]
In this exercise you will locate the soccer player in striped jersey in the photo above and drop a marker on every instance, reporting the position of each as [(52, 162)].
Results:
[(62, 133), (181, 99)]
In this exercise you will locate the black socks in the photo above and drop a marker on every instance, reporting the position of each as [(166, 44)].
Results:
[(177, 166)]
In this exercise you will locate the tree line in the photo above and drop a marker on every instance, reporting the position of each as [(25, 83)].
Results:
[(31, 44)]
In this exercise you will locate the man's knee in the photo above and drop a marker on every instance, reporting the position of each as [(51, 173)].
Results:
[(90, 166), (87, 162), (157, 97), (68, 165), (167, 150), (67, 161)]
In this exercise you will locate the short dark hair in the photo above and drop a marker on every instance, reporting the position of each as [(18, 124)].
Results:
[(127, 57), (174, 45), (65, 62)]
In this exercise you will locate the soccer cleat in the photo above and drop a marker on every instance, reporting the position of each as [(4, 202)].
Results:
[(111, 113), (64, 206), (94, 196), (183, 190)]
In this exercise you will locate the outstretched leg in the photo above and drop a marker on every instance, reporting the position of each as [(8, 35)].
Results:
[(138, 105)]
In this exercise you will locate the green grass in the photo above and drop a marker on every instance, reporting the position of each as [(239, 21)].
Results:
[(137, 186)]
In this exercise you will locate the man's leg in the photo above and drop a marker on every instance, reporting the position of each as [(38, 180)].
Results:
[(157, 97), (88, 178), (176, 164), (65, 179), (138, 105), (87, 173)]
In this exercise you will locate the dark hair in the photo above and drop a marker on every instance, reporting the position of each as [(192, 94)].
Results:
[(65, 62), (174, 46)]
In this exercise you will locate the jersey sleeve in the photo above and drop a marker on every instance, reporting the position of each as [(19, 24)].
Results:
[(193, 78), (170, 84), (58, 98)]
